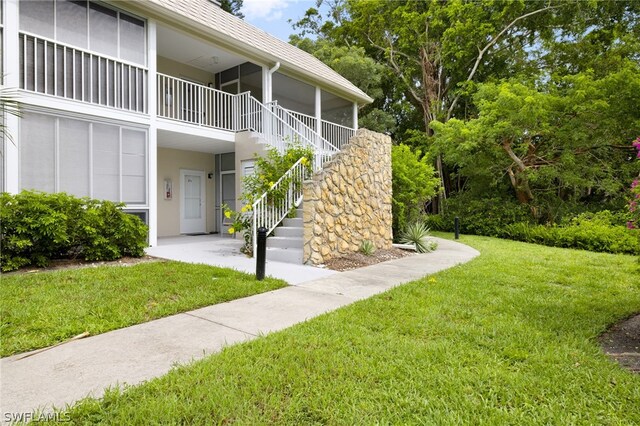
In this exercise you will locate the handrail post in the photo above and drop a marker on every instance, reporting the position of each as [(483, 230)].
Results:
[(254, 230)]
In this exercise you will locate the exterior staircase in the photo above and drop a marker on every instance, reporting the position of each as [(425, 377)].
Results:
[(276, 126), (286, 243)]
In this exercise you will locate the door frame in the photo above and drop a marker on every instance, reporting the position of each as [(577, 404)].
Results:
[(203, 201)]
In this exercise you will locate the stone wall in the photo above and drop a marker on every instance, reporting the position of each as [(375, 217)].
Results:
[(349, 201)]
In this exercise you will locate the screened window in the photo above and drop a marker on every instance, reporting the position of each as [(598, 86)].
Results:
[(37, 17), (104, 29), (337, 110), (106, 162), (71, 22), (294, 94), (83, 158), (73, 148), (132, 39), (88, 25), (37, 152)]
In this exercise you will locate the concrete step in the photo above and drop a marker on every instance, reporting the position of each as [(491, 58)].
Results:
[(296, 222), (288, 231), (299, 213), (284, 242), (285, 255)]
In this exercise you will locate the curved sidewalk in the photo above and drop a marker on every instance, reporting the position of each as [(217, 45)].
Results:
[(67, 373)]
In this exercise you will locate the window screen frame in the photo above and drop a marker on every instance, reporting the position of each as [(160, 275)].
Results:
[(119, 125)]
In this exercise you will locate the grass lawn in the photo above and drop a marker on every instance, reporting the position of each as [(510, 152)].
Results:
[(44, 308), (509, 338)]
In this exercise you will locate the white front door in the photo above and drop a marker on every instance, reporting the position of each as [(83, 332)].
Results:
[(193, 218)]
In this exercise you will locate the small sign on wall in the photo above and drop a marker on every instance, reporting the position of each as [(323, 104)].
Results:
[(168, 189)]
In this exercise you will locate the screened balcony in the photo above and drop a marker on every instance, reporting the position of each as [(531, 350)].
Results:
[(83, 51)]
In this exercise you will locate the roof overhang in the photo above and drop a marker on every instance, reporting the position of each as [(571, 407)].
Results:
[(161, 13)]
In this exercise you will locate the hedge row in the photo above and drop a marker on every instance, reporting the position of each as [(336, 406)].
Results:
[(37, 227), (602, 231)]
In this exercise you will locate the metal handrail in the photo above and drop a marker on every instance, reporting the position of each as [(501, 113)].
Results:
[(268, 211)]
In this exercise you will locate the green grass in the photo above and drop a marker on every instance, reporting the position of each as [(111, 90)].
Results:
[(509, 338), (44, 308)]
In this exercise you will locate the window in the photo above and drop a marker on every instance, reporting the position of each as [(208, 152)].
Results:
[(73, 148), (337, 110), (132, 39), (71, 22), (37, 152), (83, 158), (294, 94), (104, 30), (87, 25), (37, 17)]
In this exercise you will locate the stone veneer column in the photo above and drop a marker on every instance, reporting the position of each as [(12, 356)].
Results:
[(349, 201)]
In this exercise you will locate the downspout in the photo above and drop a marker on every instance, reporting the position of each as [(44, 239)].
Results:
[(275, 68)]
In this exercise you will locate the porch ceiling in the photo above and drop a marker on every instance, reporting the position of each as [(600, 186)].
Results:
[(187, 142), (178, 46)]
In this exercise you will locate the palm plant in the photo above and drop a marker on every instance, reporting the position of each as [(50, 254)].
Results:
[(8, 105)]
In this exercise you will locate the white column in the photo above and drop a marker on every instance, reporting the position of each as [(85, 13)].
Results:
[(152, 57), (266, 85), (12, 81), (355, 115), (318, 111)]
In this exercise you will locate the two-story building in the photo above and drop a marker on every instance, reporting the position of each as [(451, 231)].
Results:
[(160, 104)]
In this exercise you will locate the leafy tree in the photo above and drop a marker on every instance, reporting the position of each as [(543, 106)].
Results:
[(353, 63), (439, 52), (413, 183), (566, 142), (233, 7)]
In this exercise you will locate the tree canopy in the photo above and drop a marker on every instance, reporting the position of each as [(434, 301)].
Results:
[(536, 100), (234, 7)]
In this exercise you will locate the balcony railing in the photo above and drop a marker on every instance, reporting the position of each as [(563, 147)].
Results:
[(57, 69), (194, 103), (308, 120), (336, 134)]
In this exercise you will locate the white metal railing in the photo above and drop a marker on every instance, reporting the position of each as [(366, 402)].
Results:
[(336, 134), (275, 204), (280, 126), (322, 148), (194, 103), (57, 69), (307, 120)]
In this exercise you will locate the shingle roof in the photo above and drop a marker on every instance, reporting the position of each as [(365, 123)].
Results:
[(244, 35)]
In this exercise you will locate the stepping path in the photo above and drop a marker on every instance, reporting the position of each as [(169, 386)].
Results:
[(67, 373)]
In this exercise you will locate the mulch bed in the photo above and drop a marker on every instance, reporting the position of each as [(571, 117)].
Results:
[(60, 264), (622, 343), (358, 260)]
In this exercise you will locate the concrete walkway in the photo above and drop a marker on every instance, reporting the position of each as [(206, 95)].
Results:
[(69, 372), (225, 252)]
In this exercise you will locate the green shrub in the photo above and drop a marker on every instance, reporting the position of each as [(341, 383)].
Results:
[(36, 227), (602, 231), (479, 216), (271, 167), (581, 233), (414, 182)]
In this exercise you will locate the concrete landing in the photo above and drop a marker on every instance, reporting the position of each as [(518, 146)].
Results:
[(67, 373), (215, 250)]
